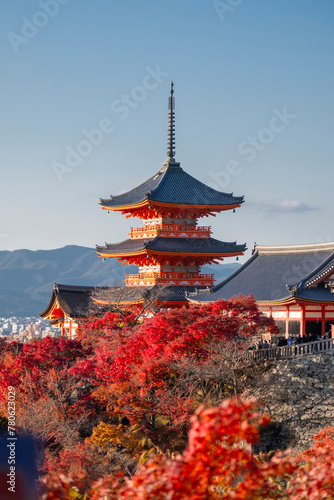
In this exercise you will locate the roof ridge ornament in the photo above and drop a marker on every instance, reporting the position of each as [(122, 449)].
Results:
[(171, 126)]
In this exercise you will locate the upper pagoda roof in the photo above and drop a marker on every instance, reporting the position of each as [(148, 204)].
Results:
[(172, 185), (280, 274), (171, 245)]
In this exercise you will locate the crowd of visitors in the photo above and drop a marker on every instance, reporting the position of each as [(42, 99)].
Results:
[(301, 339)]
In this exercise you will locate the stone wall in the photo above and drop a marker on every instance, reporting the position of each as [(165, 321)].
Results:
[(299, 396)]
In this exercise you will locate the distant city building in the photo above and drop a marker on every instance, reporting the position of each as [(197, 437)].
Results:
[(16, 328)]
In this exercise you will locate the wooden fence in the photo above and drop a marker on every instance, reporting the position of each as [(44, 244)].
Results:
[(293, 351)]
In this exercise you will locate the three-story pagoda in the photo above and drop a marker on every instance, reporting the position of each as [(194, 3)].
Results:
[(170, 247)]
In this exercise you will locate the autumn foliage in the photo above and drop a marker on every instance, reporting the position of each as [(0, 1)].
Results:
[(140, 373), (217, 463), (315, 478), (154, 410)]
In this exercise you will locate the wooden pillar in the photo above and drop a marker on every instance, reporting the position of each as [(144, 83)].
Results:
[(287, 323), (302, 321), (70, 330), (62, 329), (323, 320)]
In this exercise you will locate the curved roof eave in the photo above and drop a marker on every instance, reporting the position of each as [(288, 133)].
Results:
[(48, 308), (173, 245), (172, 185), (139, 193)]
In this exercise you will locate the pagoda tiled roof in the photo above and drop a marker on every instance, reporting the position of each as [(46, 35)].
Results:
[(172, 185), (279, 274), (172, 245)]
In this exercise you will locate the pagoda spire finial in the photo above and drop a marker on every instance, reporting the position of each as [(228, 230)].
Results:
[(171, 126)]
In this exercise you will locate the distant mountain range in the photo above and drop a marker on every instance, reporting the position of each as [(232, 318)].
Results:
[(27, 277)]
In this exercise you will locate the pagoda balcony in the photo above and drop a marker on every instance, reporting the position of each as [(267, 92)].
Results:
[(170, 279), (170, 231)]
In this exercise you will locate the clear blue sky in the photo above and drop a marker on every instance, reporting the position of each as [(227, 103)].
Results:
[(254, 86)]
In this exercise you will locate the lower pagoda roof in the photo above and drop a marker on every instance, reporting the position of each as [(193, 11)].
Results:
[(187, 246), (279, 274)]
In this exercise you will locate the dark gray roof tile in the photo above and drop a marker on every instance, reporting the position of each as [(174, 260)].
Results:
[(75, 301), (173, 185), (276, 275), (173, 245)]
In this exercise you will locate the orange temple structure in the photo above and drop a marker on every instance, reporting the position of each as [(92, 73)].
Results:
[(170, 247)]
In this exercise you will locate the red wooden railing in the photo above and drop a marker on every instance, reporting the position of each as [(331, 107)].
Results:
[(176, 279), (177, 230)]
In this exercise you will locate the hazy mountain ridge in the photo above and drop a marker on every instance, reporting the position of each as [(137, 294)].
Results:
[(27, 276)]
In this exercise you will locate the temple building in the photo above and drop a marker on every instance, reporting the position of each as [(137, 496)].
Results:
[(67, 307), (292, 284), (169, 248)]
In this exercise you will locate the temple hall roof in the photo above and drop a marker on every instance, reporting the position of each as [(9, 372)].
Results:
[(132, 294), (77, 301), (172, 185), (280, 273), (74, 301)]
